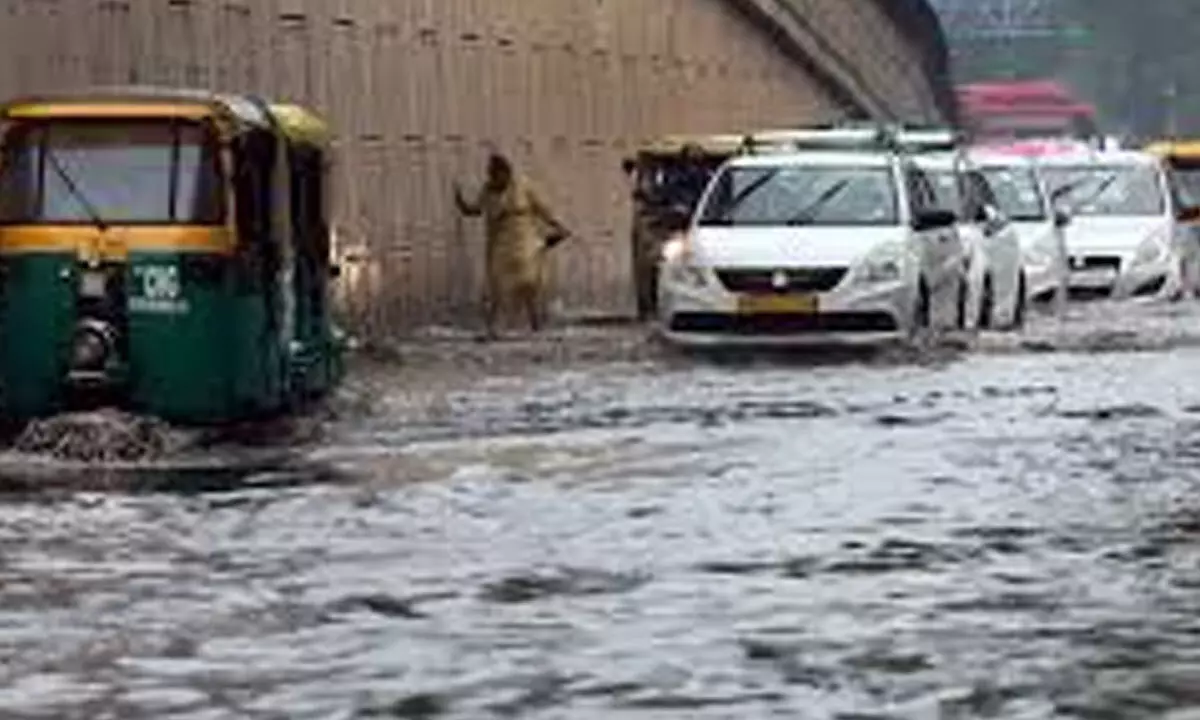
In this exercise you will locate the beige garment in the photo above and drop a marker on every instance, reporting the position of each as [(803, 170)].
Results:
[(516, 220)]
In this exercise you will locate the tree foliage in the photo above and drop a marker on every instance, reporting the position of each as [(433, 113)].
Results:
[(1139, 60)]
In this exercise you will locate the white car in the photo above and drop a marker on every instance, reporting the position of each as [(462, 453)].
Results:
[(813, 246), (1021, 196), (997, 281), (1127, 235)]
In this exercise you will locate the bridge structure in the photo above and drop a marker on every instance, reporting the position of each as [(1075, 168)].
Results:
[(418, 92), (1012, 38)]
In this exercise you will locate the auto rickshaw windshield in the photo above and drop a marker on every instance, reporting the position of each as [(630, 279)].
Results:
[(110, 171)]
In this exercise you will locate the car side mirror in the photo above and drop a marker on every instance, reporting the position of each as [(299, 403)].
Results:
[(1061, 218), (1188, 213), (934, 220), (628, 165)]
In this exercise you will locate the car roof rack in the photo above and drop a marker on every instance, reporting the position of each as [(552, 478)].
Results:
[(850, 136)]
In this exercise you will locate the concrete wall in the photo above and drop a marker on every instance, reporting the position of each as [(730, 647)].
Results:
[(418, 90)]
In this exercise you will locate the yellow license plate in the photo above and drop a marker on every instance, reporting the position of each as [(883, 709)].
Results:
[(777, 304)]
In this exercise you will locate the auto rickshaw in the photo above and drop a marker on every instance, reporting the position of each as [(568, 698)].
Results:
[(164, 252), (1182, 159), (664, 197)]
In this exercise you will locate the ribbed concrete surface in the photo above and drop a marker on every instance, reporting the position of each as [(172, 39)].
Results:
[(418, 89)]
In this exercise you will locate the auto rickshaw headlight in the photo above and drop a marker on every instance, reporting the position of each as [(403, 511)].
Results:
[(93, 345)]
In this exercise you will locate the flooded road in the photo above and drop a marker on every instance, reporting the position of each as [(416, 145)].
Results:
[(1008, 534)]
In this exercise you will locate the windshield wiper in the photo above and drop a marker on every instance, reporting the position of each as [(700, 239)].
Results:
[(1095, 194), (806, 215), (73, 188), (744, 195)]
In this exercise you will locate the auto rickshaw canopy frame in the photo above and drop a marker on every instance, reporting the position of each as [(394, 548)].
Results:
[(294, 122)]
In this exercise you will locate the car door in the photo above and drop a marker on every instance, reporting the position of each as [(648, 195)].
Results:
[(1002, 244), (942, 247)]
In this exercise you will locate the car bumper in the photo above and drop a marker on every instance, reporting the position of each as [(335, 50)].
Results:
[(861, 315), (1043, 281), (1127, 282)]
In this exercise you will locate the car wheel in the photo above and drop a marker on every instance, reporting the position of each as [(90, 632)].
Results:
[(1022, 301), (987, 304), (960, 310), (922, 310)]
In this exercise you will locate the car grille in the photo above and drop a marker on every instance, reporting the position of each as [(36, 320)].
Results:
[(721, 324), (799, 280), (1095, 262)]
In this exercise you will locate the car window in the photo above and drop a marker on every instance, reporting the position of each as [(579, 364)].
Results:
[(948, 191), (1016, 192), (981, 193), (921, 194)]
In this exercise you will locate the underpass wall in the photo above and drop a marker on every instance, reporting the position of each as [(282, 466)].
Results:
[(419, 90)]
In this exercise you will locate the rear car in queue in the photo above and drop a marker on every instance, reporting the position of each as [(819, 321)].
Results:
[(831, 237), (997, 288), (1041, 231), (165, 252), (1128, 236)]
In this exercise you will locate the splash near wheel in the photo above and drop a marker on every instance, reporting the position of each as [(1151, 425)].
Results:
[(113, 450)]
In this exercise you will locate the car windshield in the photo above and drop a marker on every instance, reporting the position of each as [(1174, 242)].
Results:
[(1106, 189), (100, 171), (802, 195), (1017, 193)]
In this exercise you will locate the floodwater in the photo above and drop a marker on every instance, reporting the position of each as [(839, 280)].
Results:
[(1006, 534)]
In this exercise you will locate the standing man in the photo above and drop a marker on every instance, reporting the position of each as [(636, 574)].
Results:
[(513, 213)]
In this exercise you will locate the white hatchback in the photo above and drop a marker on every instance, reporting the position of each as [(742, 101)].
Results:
[(1126, 237), (813, 246)]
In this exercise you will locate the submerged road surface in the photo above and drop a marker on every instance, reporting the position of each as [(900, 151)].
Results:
[(1002, 534)]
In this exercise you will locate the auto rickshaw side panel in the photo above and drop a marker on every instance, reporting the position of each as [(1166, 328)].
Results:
[(37, 318), (198, 351)]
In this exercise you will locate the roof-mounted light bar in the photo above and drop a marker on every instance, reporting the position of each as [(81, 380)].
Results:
[(856, 135)]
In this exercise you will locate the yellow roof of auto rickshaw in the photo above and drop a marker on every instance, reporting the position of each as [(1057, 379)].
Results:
[(294, 121), (1182, 149), (301, 125)]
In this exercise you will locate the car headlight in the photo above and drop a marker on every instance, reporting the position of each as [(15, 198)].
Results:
[(1039, 256), (883, 265), (678, 264), (688, 275), (1153, 249)]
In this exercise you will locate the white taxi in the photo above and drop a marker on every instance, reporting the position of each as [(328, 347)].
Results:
[(812, 246), (997, 281), (1041, 231), (1128, 235)]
